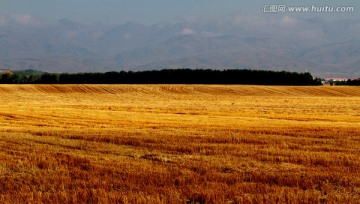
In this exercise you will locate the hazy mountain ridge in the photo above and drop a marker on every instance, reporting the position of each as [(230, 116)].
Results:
[(281, 43)]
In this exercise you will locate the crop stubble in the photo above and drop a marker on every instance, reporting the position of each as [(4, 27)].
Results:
[(179, 143)]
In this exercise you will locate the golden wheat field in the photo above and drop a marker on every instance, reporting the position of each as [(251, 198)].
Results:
[(179, 144)]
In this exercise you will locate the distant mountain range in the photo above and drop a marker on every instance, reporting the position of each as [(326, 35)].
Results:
[(324, 48)]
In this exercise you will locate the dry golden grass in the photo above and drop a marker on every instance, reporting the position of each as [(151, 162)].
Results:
[(179, 144)]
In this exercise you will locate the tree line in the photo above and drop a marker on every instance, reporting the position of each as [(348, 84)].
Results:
[(165, 76), (349, 82)]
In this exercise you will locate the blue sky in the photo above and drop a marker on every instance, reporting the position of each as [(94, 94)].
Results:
[(153, 11)]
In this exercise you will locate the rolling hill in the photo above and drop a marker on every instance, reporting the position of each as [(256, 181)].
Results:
[(324, 48)]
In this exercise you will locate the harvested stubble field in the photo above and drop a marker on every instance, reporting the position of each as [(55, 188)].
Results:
[(179, 144)]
